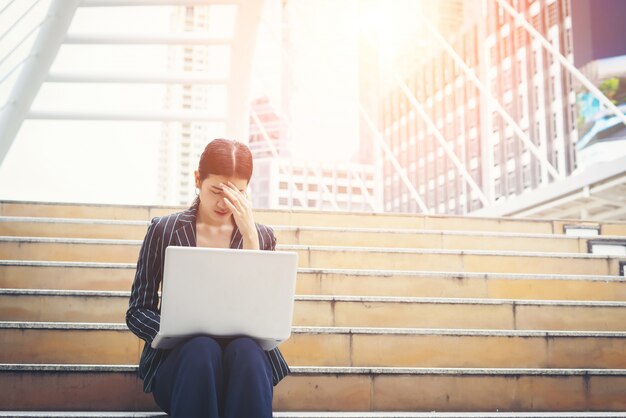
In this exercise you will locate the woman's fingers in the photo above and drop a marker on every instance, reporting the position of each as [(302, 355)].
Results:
[(229, 192), (231, 206), (236, 196), (237, 192)]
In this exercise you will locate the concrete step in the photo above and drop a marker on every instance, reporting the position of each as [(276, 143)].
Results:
[(89, 343), (300, 218), (20, 226), (73, 414), (119, 276), (291, 235), (446, 414), (349, 389), (456, 260), (69, 249), (346, 311), (66, 275), (81, 414), (310, 218), (81, 210)]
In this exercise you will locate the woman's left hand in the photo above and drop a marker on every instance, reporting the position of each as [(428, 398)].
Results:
[(242, 213)]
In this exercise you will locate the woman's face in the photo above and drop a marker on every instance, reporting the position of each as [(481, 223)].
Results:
[(212, 196)]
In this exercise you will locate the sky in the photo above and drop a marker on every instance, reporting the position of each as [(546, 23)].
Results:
[(116, 162)]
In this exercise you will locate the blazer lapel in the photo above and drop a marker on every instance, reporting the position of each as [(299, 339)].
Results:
[(236, 239), (185, 229), (185, 236)]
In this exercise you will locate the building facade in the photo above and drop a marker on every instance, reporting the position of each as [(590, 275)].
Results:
[(182, 143), (285, 183), (516, 71)]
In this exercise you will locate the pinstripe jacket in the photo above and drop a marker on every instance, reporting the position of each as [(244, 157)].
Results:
[(143, 314)]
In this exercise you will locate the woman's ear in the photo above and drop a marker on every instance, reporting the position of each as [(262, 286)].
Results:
[(196, 176)]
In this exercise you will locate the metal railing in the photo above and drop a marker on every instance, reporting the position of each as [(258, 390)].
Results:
[(34, 68), (519, 18)]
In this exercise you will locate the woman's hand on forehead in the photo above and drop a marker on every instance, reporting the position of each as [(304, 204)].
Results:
[(242, 213), (231, 187)]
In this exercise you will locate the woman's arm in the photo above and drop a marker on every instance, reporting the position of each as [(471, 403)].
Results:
[(267, 240), (142, 316), (280, 368)]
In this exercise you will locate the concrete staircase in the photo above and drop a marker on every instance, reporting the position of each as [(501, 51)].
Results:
[(396, 315)]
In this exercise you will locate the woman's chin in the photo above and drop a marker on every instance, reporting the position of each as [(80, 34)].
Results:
[(221, 215)]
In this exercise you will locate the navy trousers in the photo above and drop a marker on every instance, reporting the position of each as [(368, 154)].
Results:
[(211, 378)]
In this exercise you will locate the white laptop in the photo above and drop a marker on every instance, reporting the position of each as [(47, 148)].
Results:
[(227, 293)]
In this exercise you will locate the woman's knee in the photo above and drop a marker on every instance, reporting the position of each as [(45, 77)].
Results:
[(244, 350), (201, 350), (246, 361)]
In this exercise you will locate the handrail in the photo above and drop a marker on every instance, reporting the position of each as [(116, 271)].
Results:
[(9, 4), (15, 67), (122, 115), (186, 77), (181, 38), (23, 40), (34, 71), (19, 19)]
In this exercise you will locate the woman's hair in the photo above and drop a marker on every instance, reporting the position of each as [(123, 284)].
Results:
[(224, 157)]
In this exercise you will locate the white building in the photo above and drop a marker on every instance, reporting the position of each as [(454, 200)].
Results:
[(291, 184), (182, 143)]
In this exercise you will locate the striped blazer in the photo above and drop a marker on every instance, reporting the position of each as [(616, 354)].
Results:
[(143, 314)]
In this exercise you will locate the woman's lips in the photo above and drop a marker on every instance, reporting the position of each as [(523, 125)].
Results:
[(221, 213)]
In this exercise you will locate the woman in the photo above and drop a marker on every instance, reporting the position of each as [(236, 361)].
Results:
[(205, 376)]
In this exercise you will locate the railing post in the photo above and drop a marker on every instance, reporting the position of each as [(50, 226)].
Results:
[(35, 70)]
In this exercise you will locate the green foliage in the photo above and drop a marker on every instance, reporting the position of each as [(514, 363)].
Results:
[(615, 89), (609, 86)]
